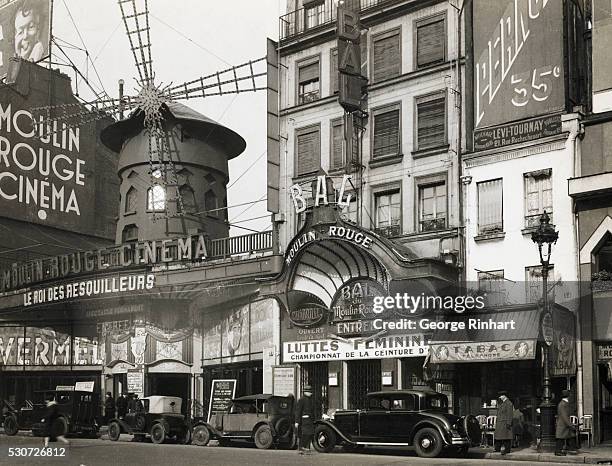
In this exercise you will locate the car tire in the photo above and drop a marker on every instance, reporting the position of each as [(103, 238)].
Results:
[(140, 422), (200, 435), (114, 431), (428, 443), (10, 426), (263, 437), (158, 434), (283, 428), (59, 428), (324, 439), (184, 437)]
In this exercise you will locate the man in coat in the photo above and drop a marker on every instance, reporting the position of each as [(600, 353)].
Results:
[(122, 404), (565, 431), (109, 407), (503, 423), (304, 420)]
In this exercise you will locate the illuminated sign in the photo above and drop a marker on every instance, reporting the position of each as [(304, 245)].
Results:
[(320, 194)]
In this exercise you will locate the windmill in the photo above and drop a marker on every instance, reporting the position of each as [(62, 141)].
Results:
[(153, 100)]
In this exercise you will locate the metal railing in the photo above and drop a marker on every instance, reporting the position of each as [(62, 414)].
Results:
[(234, 245), (318, 15)]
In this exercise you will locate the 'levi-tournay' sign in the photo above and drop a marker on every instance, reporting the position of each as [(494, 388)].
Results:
[(517, 132)]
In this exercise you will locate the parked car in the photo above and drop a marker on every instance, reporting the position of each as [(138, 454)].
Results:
[(159, 417), (77, 409), (266, 420), (416, 418)]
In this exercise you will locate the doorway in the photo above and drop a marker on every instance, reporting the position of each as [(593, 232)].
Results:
[(170, 385), (363, 376)]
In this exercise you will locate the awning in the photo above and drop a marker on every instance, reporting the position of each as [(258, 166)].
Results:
[(487, 337)]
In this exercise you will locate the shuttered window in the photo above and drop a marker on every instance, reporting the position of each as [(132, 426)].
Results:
[(431, 121), (386, 57), (490, 207), (308, 82), (308, 147), (386, 132), (337, 136), (538, 196), (431, 41)]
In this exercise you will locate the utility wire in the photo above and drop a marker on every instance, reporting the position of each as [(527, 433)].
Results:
[(249, 207), (246, 171)]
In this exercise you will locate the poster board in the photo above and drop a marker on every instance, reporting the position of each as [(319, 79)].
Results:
[(135, 382), (284, 380), (222, 392)]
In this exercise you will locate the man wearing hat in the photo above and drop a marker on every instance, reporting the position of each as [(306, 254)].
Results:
[(304, 420), (565, 430), (503, 423)]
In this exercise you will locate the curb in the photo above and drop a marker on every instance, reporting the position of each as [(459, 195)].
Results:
[(548, 458)]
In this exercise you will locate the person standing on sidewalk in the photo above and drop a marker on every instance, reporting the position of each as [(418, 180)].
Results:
[(122, 403), (503, 423), (109, 407), (565, 430), (304, 420)]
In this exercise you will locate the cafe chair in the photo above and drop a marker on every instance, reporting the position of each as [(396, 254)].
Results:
[(490, 428), (482, 420), (574, 420), (586, 427)]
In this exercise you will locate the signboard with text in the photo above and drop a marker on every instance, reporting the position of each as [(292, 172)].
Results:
[(222, 393), (284, 380), (135, 381), (517, 132), (604, 353), (483, 351), (518, 53)]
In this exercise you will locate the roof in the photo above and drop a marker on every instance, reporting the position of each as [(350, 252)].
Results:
[(424, 391), (114, 135)]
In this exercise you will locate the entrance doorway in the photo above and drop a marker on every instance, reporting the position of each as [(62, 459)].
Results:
[(316, 375), (605, 395), (170, 385), (363, 376)]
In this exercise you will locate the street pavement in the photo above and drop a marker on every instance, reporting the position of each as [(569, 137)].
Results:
[(93, 452)]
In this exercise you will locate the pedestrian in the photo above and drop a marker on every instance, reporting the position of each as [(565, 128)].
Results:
[(565, 431), (54, 429), (304, 420), (131, 402), (503, 423), (518, 423), (109, 407), (122, 406)]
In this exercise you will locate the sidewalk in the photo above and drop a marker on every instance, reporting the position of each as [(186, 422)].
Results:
[(595, 455)]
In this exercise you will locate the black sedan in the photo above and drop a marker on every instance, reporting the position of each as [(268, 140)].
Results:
[(416, 418)]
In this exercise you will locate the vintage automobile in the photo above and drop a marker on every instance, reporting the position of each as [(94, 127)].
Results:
[(266, 420), (78, 411), (160, 418), (416, 418)]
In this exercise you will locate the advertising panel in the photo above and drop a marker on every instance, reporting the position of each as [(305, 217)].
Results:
[(518, 71), (222, 393), (284, 380), (24, 27), (563, 347), (483, 351)]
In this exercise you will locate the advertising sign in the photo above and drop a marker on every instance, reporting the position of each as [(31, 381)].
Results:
[(518, 71), (355, 300), (604, 352), (283, 380), (222, 392), (24, 28), (135, 381), (515, 133), (84, 386), (563, 348), (483, 351)]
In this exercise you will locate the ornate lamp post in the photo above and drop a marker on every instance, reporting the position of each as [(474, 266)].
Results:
[(545, 236)]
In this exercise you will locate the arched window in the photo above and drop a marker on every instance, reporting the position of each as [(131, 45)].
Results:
[(130, 233), (188, 199), (156, 199), (210, 202), (130, 200)]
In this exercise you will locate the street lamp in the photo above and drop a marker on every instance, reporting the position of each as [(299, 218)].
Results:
[(545, 236)]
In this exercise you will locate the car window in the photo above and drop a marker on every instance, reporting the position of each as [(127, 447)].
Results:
[(379, 403), (404, 403), (437, 402), (62, 399)]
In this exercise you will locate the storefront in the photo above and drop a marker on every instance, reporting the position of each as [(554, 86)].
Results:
[(604, 376)]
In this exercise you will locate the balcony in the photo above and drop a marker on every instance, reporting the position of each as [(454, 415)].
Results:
[(317, 15), (433, 224), (388, 231)]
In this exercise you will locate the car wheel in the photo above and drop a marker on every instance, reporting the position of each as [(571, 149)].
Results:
[(184, 437), (324, 439), (263, 437), (10, 426), (140, 422), (114, 431), (200, 436), (428, 443), (283, 428), (158, 434), (59, 427)]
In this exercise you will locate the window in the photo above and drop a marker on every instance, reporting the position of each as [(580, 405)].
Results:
[(131, 200), (490, 207), (314, 14), (432, 206), (431, 121), (308, 150), (431, 41), (538, 196), (387, 208), (129, 233), (386, 130), (308, 81), (337, 159), (188, 199), (386, 56), (210, 203), (492, 283), (533, 282), (156, 198)]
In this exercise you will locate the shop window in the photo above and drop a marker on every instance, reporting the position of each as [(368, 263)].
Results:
[(431, 121), (129, 233), (386, 130), (430, 41), (386, 56), (188, 199), (131, 200), (492, 283), (308, 81), (387, 211), (308, 150), (533, 283), (156, 199), (538, 196), (432, 206), (490, 207)]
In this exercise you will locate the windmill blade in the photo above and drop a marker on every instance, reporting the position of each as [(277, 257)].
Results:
[(136, 22), (248, 77)]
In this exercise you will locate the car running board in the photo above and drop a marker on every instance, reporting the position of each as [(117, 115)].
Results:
[(386, 444)]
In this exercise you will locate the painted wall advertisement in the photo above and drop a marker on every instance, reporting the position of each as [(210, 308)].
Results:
[(24, 30), (518, 71)]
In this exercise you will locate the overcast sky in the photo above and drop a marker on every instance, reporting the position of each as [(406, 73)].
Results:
[(190, 38)]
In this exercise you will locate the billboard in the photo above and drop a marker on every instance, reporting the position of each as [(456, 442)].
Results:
[(24, 30), (518, 52)]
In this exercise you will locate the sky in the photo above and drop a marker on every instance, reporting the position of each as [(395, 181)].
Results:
[(190, 38)]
